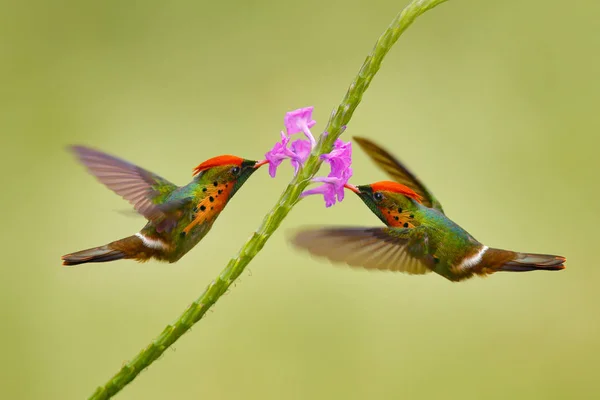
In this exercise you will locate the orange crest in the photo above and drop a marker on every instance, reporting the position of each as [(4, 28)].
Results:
[(218, 162), (395, 187)]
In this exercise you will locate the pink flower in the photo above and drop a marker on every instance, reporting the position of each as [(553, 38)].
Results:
[(332, 187), (327, 190), (301, 150), (339, 159), (295, 121), (300, 120), (277, 154)]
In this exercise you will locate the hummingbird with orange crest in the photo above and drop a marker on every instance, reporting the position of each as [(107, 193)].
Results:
[(178, 216), (419, 237)]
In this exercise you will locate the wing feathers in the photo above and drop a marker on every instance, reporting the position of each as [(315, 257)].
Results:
[(370, 248), (133, 183)]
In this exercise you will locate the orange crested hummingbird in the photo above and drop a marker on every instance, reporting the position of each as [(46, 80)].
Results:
[(178, 216), (418, 239)]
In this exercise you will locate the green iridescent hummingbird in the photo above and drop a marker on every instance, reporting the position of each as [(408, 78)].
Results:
[(178, 216), (419, 237)]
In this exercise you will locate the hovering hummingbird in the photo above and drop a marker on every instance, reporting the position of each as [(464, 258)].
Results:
[(419, 237), (178, 217)]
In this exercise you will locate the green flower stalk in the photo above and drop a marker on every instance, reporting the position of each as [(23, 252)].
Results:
[(292, 194)]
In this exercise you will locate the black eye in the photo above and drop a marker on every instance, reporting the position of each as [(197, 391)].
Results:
[(377, 196), (235, 170)]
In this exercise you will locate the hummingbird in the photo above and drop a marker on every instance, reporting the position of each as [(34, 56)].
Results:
[(419, 237), (178, 217)]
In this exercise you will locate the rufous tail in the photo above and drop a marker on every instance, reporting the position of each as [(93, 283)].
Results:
[(125, 248), (503, 260)]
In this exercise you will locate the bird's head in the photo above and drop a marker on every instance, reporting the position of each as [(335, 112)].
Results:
[(227, 169), (387, 198)]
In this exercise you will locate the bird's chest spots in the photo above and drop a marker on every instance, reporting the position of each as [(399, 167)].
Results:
[(397, 217), (212, 201)]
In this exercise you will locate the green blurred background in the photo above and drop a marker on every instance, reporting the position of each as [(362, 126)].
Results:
[(493, 104)]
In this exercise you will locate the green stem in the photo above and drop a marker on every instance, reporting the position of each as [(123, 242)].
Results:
[(271, 222)]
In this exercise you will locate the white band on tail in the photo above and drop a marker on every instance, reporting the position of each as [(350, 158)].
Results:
[(473, 260), (151, 243)]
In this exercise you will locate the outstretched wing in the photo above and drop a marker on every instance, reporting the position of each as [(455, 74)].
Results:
[(398, 171), (136, 185), (393, 249)]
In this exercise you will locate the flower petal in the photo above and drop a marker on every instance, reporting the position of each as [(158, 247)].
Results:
[(340, 158), (298, 120), (326, 190), (277, 154), (301, 149)]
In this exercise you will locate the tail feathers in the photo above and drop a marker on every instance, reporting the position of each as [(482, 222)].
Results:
[(97, 254), (502, 260), (530, 262), (129, 247)]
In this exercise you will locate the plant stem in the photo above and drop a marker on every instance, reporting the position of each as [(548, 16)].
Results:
[(339, 119)]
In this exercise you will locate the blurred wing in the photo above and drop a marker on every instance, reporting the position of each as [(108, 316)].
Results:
[(397, 171), (393, 249), (133, 183)]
